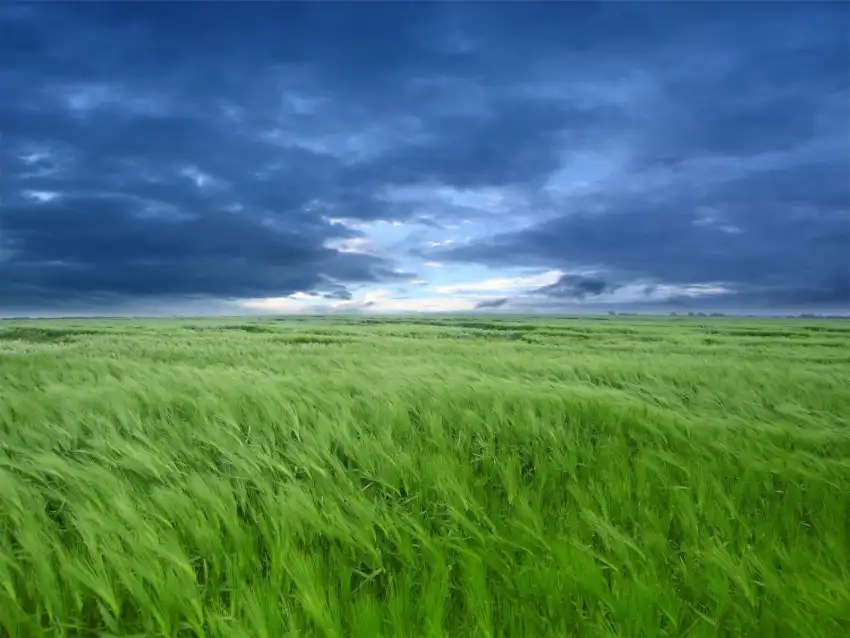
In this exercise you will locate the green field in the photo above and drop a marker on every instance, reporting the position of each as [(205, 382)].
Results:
[(425, 477)]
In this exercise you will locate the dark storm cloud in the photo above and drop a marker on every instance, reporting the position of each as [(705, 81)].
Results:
[(780, 236), (342, 295), (512, 142), (577, 287), (491, 303), (741, 177), (169, 151), (334, 291), (87, 246)]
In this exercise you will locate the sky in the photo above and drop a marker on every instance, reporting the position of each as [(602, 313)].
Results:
[(228, 158)]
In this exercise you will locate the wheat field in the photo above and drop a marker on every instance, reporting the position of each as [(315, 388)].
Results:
[(425, 477)]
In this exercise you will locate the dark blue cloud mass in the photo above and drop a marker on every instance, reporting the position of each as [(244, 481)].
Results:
[(165, 154)]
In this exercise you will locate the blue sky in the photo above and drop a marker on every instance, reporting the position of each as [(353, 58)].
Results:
[(394, 157)]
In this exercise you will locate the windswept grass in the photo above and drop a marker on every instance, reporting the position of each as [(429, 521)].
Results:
[(425, 478)]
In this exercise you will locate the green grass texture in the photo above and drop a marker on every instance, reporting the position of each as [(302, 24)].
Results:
[(449, 476)]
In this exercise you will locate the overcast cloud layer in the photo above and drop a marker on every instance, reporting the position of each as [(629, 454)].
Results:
[(179, 157)]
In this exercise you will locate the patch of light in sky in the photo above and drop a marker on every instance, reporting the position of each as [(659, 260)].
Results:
[(42, 197)]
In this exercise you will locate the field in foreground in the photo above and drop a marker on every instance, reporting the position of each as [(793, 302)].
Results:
[(462, 477)]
